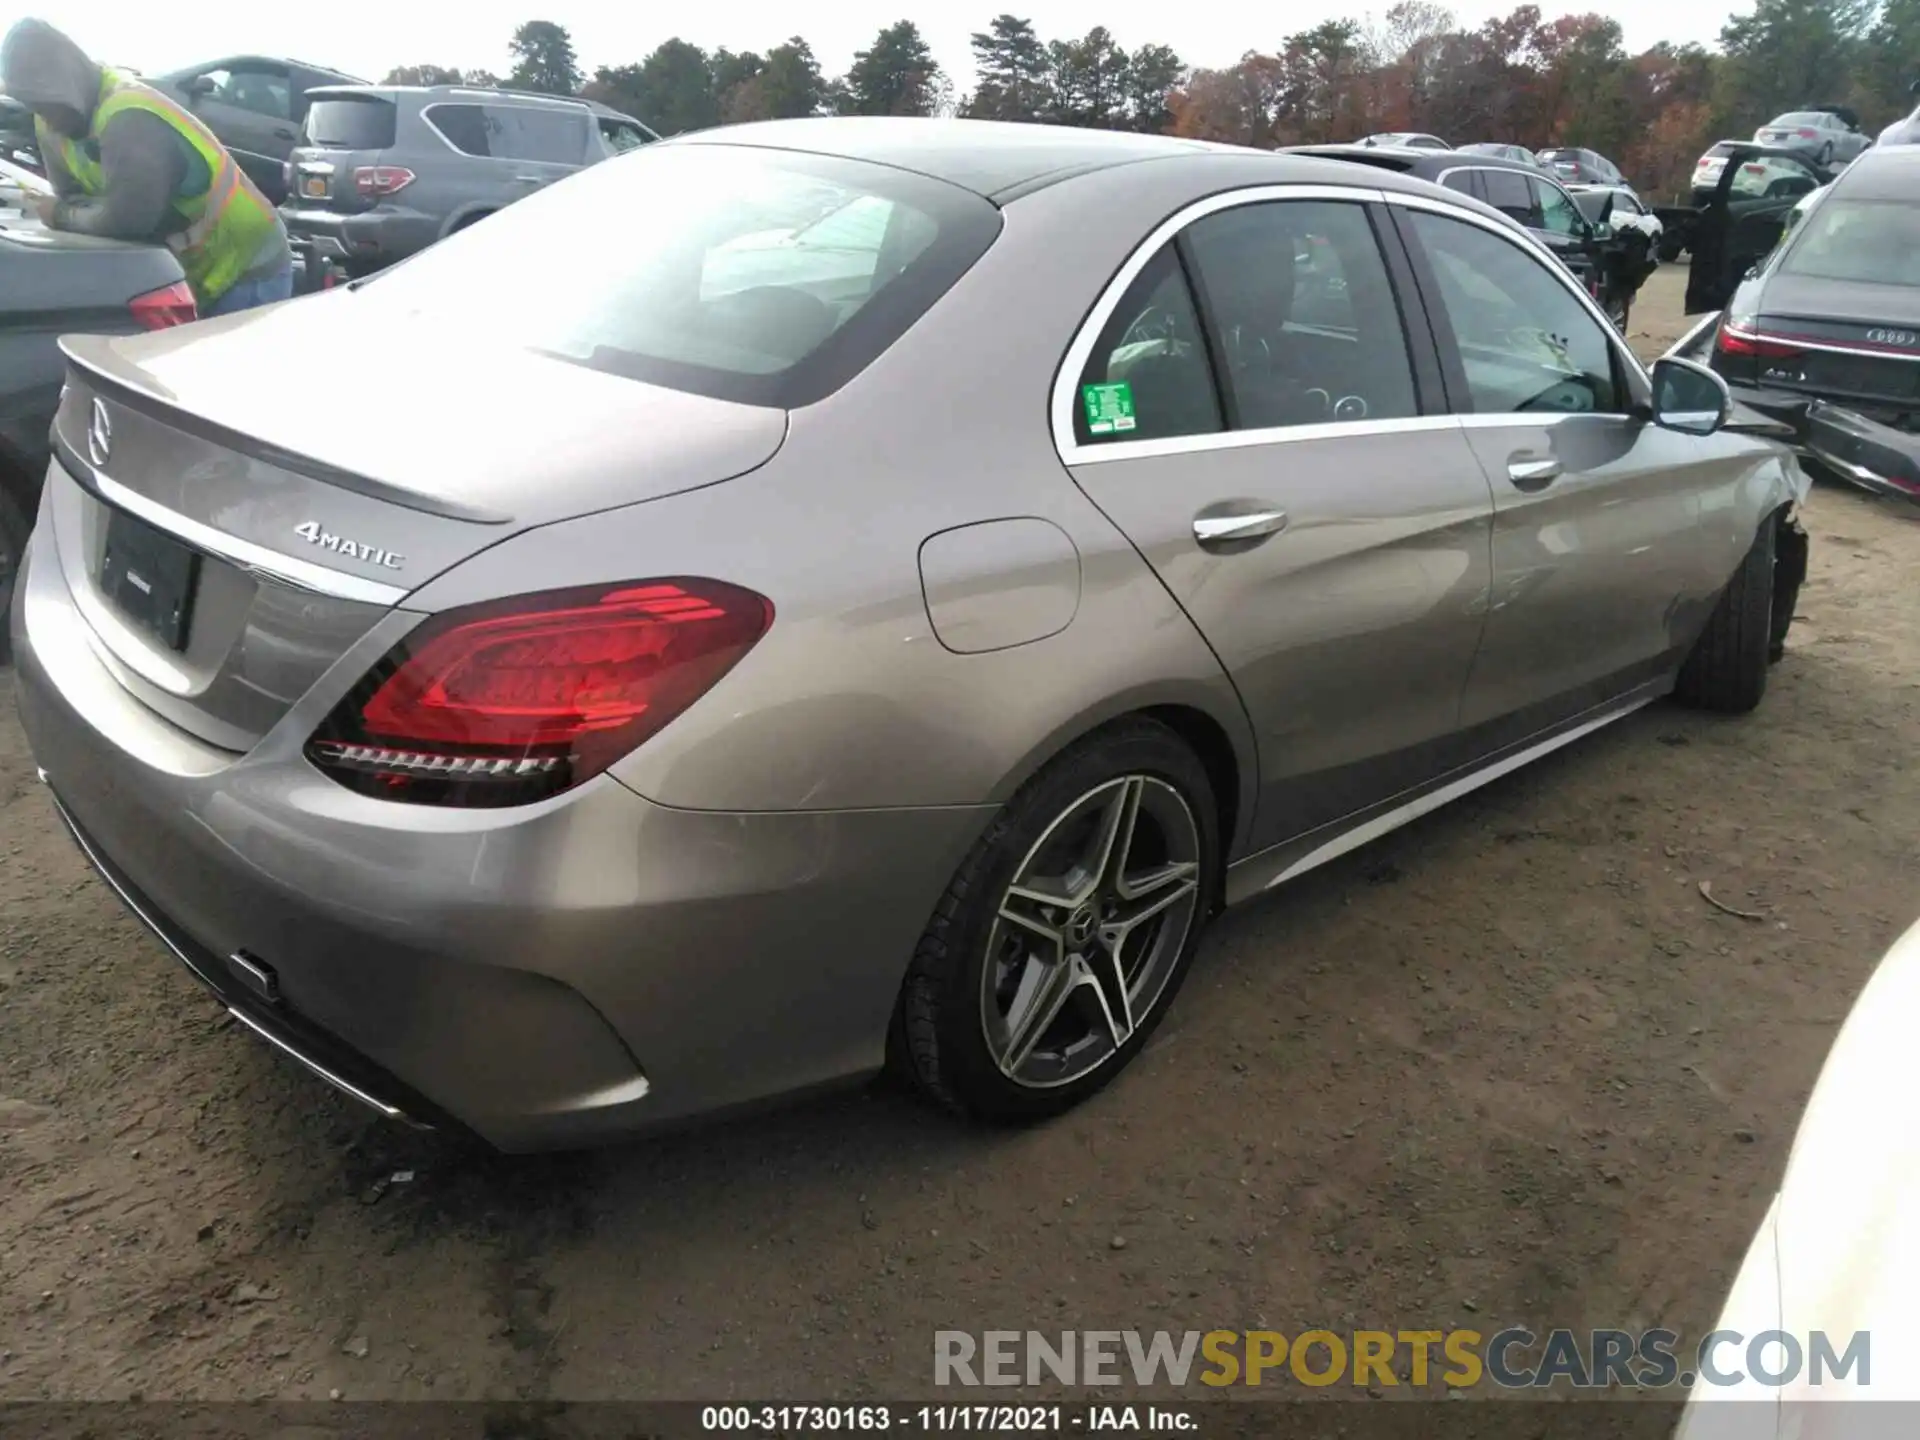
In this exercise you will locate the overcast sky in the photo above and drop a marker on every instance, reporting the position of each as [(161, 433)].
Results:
[(364, 39)]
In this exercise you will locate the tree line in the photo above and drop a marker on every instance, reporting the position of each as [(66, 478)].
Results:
[(1520, 79)]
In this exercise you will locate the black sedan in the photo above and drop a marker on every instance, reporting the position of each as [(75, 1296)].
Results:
[(1822, 332), (1610, 263)]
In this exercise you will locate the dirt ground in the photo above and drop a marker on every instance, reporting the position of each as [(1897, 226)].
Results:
[(1506, 1065)]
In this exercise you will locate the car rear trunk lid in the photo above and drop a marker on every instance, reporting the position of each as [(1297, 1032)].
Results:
[(286, 527)]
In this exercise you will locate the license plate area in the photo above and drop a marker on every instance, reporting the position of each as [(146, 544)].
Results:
[(150, 577)]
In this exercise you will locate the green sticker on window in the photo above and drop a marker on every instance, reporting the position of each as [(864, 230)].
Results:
[(1109, 407)]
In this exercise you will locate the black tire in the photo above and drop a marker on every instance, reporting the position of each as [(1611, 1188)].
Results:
[(1826, 155), (1669, 251), (15, 527), (1727, 668), (940, 1039)]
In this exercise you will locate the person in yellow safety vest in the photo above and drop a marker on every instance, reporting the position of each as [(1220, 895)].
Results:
[(127, 162)]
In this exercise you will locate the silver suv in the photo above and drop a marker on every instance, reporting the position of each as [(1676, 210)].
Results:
[(383, 171)]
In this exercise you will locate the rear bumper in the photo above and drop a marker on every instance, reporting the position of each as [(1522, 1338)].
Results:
[(550, 975), (1852, 446), (380, 236), (1857, 448)]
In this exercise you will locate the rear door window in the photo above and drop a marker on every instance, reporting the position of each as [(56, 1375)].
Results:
[(1308, 325), (513, 132), (350, 123), (258, 89), (1512, 194)]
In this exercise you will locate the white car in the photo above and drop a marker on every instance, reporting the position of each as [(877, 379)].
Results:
[(1838, 1252)]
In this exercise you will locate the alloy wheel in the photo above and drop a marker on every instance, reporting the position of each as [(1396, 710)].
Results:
[(1090, 930)]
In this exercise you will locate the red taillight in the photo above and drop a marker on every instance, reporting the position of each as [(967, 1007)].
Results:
[(1740, 342), (516, 700), (1805, 134), (379, 181), (1754, 169), (163, 309)]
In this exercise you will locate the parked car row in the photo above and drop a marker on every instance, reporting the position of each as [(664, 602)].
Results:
[(1812, 313), (381, 172), (1573, 165), (1612, 262)]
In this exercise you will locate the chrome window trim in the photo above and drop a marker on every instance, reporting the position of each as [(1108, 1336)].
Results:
[(1067, 377), (255, 559)]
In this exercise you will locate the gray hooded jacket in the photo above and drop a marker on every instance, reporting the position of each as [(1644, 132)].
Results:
[(144, 160)]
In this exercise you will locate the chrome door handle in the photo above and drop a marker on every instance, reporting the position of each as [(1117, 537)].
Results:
[(528, 179), (1248, 525), (1533, 474)]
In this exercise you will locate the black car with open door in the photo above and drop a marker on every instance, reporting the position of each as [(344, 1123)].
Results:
[(1818, 326), (1743, 218)]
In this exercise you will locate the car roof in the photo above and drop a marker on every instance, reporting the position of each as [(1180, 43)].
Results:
[(187, 71), (1411, 161), (991, 158), (471, 92), (1890, 172)]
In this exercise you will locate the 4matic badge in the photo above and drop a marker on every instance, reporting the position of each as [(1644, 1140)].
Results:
[(311, 532)]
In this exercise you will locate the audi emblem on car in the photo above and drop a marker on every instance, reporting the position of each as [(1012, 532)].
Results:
[(314, 533), (1892, 337)]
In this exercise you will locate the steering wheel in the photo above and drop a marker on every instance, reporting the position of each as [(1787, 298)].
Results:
[(1149, 325)]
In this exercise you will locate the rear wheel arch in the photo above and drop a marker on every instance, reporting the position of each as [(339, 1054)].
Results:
[(1226, 756)]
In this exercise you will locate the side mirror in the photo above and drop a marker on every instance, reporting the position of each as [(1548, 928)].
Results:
[(1689, 397), (201, 85)]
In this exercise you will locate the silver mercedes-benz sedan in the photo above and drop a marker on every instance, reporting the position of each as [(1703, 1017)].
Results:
[(829, 593)]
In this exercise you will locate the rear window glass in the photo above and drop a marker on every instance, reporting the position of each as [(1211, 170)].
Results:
[(761, 276), (512, 132), (1805, 117), (1725, 147), (360, 123), (1771, 177), (1873, 242)]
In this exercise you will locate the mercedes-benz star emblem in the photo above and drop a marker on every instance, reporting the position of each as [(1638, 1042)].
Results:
[(99, 434)]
